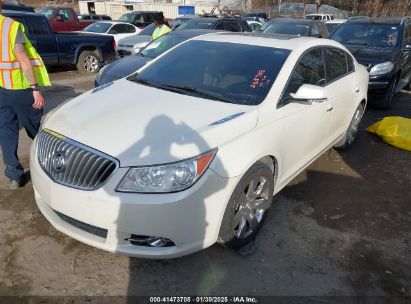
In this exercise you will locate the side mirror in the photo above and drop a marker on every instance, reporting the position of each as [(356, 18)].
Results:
[(309, 93), (59, 18), (407, 47)]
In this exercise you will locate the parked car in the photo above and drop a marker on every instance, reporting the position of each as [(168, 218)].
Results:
[(64, 19), (87, 51), (384, 47), (132, 45), (180, 20), (139, 19), (94, 17), (159, 164), (125, 66), (257, 15), (322, 17), (254, 25), (214, 23), (13, 7), (332, 25), (299, 27), (118, 30)]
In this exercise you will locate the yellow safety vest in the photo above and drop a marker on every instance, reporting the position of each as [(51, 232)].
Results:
[(160, 31), (11, 73)]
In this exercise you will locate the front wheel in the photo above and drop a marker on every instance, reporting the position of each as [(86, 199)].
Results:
[(385, 102), (88, 62), (248, 207), (352, 130)]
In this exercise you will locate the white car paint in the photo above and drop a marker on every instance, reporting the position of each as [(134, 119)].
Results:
[(118, 36), (142, 126)]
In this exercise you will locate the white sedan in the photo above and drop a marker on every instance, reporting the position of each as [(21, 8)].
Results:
[(190, 150), (118, 30)]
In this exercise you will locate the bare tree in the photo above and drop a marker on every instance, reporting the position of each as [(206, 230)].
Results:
[(318, 4)]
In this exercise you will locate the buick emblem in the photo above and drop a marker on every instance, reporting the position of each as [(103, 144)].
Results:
[(58, 162)]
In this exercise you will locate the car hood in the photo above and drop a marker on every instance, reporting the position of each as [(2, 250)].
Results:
[(121, 68), (135, 39), (373, 55), (141, 125)]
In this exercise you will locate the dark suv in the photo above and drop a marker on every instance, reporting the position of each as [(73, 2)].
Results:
[(384, 47), (299, 27), (139, 19), (214, 23)]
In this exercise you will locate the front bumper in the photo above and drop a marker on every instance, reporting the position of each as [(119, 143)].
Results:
[(191, 218)]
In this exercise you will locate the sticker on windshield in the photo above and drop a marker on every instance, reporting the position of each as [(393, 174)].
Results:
[(260, 80), (153, 45)]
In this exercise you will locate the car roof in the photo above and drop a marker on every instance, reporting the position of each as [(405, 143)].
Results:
[(268, 40), (192, 32), (292, 20), (112, 22), (376, 20)]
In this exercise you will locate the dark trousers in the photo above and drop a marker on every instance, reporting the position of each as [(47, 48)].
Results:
[(16, 105)]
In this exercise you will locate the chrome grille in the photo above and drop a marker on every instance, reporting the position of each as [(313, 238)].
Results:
[(72, 164)]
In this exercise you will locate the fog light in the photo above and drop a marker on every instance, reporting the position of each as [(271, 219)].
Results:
[(149, 241)]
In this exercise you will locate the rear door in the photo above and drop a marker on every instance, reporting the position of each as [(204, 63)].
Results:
[(343, 89)]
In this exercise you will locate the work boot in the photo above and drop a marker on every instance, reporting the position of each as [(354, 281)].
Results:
[(15, 184)]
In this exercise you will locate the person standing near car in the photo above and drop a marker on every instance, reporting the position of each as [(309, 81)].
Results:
[(161, 27), (22, 71)]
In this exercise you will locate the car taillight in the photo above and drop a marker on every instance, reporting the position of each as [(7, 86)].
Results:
[(114, 44)]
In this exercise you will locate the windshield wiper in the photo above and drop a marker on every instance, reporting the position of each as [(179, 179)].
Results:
[(184, 89), (135, 78)]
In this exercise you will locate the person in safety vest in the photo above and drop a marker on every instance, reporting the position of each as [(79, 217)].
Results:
[(22, 71), (161, 26)]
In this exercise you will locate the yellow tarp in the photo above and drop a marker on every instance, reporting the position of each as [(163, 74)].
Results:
[(395, 130)]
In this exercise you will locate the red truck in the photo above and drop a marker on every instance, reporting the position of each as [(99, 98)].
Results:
[(64, 19)]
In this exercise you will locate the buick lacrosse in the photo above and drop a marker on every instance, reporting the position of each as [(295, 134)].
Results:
[(189, 150)]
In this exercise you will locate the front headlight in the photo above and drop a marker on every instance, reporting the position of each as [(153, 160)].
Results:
[(381, 68), (166, 178)]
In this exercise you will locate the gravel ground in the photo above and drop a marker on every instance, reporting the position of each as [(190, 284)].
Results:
[(342, 227)]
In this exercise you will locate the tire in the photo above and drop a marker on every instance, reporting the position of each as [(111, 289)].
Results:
[(349, 137), (248, 207), (88, 62), (385, 102)]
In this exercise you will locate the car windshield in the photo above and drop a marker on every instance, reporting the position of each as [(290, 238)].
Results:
[(331, 27), (368, 34), (98, 27), (127, 18), (148, 30), (200, 68), (197, 24), (287, 28), (162, 44)]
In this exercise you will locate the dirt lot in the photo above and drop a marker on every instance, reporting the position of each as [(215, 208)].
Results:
[(342, 227)]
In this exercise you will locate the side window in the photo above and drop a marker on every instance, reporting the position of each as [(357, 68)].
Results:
[(86, 17), (220, 26), (65, 14), (117, 29), (94, 17), (407, 35), (314, 31), (148, 18), (105, 18), (335, 63), (309, 70), (350, 63), (129, 28), (37, 26), (138, 19), (233, 26)]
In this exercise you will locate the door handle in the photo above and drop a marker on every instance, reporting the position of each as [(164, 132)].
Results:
[(357, 91), (329, 108)]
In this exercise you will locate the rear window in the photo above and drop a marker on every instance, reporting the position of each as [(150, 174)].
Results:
[(197, 24), (287, 28), (244, 77), (129, 17), (98, 27)]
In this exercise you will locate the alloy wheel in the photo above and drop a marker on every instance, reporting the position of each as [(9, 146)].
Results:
[(251, 207)]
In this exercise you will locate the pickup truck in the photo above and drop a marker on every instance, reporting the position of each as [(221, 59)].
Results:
[(89, 52), (64, 19)]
